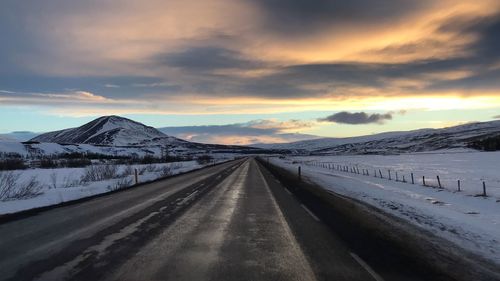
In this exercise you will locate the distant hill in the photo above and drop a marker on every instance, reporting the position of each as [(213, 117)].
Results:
[(116, 131), (18, 136), (109, 130), (480, 136)]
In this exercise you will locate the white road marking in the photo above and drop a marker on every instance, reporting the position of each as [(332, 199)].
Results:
[(310, 213), (367, 267), (288, 191), (188, 198)]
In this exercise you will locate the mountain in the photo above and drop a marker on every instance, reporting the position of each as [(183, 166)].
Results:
[(480, 135), (110, 130), (19, 135), (6, 138)]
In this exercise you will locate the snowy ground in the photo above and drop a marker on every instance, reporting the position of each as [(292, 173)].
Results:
[(471, 168), (469, 221), (64, 184)]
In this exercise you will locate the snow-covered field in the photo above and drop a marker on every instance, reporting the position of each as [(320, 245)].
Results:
[(471, 168), (65, 184), (472, 222)]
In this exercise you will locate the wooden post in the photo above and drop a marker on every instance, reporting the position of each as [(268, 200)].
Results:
[(299, 173), (404, 178), (439, 182), (397, 179), (380, 172), (458, 184), (423, 180), (412, 180), (389, 171), (136, 176), (375, 173), (484, 189), (367, 172)]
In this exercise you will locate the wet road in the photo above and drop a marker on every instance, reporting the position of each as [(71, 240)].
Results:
[(234, 221)]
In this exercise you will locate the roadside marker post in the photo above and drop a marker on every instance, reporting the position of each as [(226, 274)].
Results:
[(299, 173), (136, 176)]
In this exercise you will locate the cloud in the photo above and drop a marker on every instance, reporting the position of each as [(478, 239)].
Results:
[(357, 118), (255, 131), (303, 17), (264, 56), (206, 58)]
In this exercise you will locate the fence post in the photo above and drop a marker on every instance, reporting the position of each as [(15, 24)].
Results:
[(439, 182), (404, 178), (458, 183), (299, 173), (397, 179), (389, 174), (484, 189), (375, 173), (380, 172), (412, 180), (423, 180), (136, 176)]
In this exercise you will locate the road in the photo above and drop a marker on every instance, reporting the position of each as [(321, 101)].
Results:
[(233, 221)]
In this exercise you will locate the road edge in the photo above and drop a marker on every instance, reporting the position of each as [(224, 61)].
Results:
[(435, 253), (4, 218)]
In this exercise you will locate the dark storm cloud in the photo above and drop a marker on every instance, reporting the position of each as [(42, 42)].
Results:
[(201, 65), (486, 28), (206, 58), (357, 118), (293, 17)]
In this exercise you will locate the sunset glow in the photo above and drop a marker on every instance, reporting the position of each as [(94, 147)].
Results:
[(192, 63)]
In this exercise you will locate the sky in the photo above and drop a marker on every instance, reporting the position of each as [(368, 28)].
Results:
[(248, 71)]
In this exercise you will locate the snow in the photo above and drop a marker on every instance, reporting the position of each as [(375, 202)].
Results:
[(46, 149), (471, 168), (397, 142), (67, 176), (470, 222)]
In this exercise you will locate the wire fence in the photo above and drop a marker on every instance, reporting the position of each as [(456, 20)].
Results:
[(480, 188)]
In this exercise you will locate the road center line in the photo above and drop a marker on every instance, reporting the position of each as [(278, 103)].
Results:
[(367, 267), (310, 213), (288, 191)]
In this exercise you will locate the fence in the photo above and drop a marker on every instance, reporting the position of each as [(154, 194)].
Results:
[(398, 176)]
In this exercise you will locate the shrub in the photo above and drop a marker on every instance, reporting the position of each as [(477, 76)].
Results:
[(127, 171), (165, 171), (8, 182), (204, 159), (77, 162), (99, 173), (151, 168), (48, 163), (12, 164), (120, 184), (29, 189)]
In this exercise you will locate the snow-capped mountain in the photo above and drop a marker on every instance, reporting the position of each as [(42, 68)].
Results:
[(468, 136), (110, 130)]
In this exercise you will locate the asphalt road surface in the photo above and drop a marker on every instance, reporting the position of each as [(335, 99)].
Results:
[(233, 221)]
